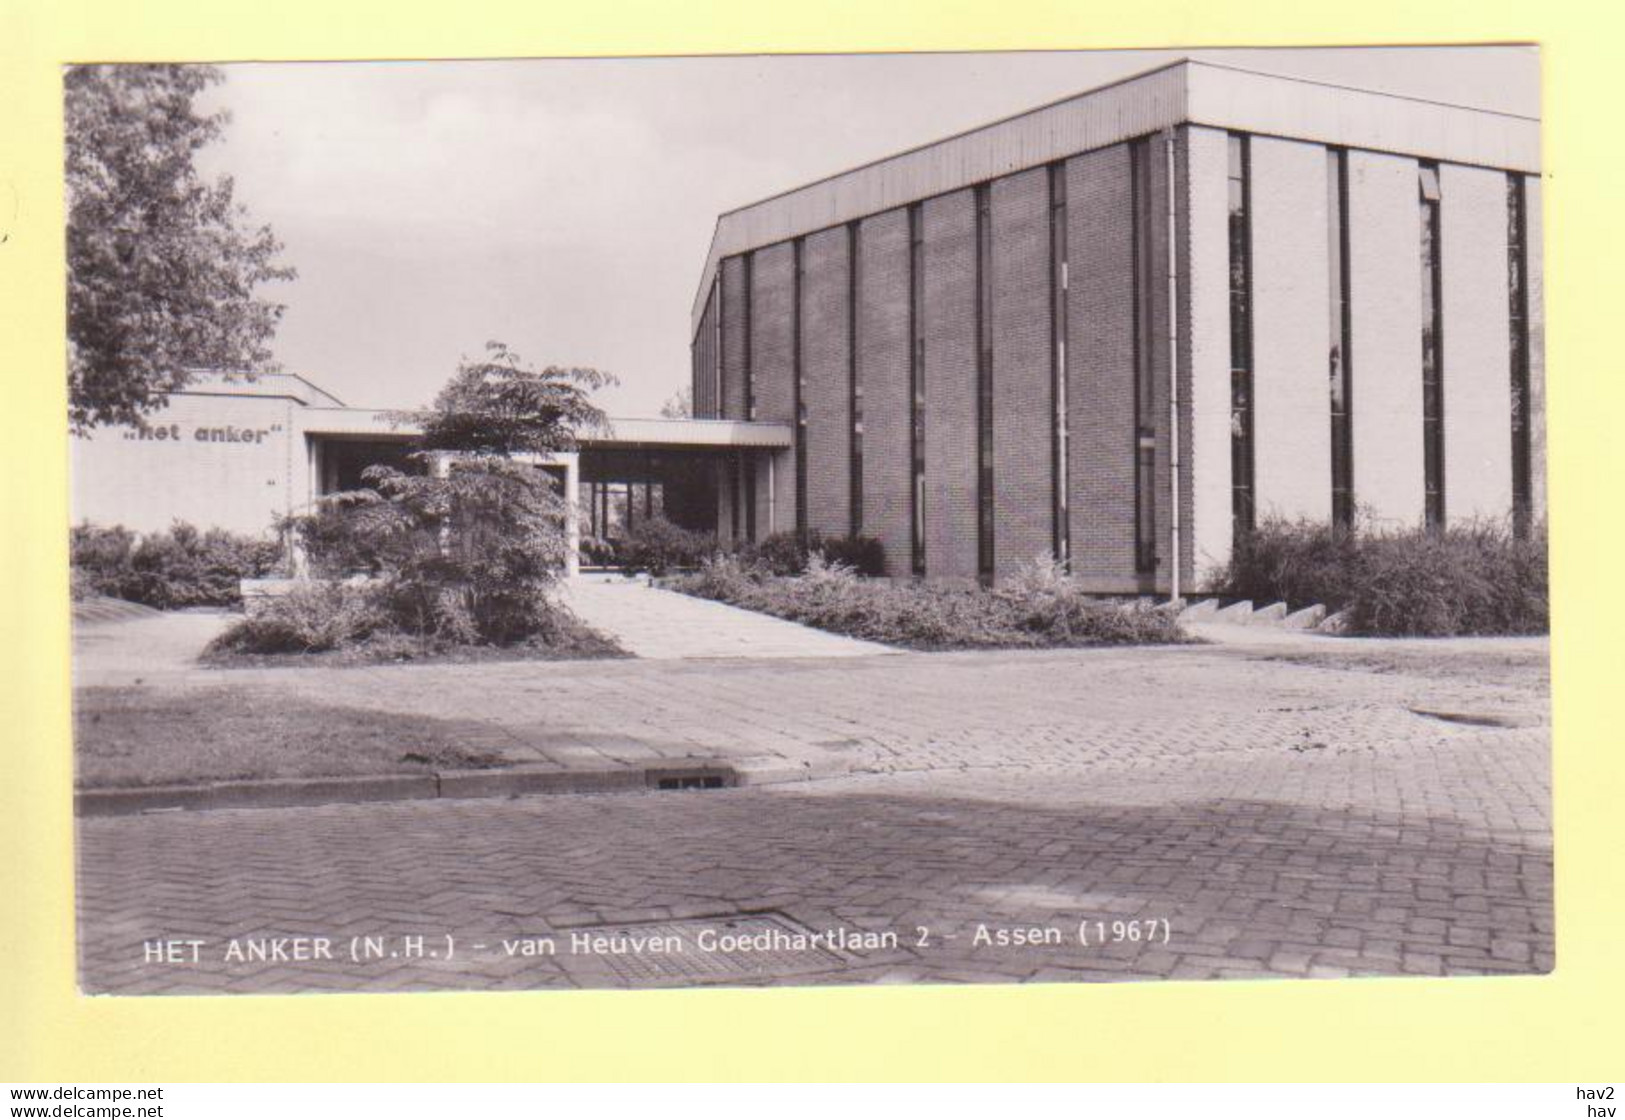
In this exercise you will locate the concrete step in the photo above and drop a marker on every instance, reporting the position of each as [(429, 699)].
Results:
[(1200, 611), (1334, 624), (1235, 612), (1270, 615), (1306, 619)]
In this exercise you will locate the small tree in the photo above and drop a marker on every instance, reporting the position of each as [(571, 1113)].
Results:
[(501, 406), (162, 265), (469, 548), (680, 405)]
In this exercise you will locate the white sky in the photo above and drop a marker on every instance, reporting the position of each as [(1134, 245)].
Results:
[(566, 206)]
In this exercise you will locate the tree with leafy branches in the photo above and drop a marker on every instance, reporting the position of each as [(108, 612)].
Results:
[(468, 545), (163, 265)]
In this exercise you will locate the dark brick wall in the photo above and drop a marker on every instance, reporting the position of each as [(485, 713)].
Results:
[(773, 377), (950, 385), (1100, 387), (704, 354), (883, 368), (826, 391), (733, 338), (1022, 398), (1101, 375)]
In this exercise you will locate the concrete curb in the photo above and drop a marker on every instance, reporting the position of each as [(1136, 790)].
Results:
[(517, 781)]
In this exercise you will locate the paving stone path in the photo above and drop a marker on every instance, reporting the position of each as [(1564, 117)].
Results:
[(1284, 813), (651, 622)]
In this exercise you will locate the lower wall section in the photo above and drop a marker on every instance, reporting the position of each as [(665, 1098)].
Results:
[(1477, 361), (1101, 368), (950, 386), (1385, 292), (1291, 331), (827, 381), (883, 368), (1023, 404)]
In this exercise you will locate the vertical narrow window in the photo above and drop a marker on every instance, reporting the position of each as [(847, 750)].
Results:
[(1241, 338), (1432, 349), (1518, 321), (854, 282), (1058, 426), (984, 383), (798, 380), (916, 376), (1145, 432), (1339, 369), (749, 374), (747, 469)]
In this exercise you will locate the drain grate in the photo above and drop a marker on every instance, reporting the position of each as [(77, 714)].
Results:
[(690, 781), (732, 947)]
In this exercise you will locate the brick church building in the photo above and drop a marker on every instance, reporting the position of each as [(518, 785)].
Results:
[(1127, 326)]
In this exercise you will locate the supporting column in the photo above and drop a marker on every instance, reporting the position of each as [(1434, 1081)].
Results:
[(298, 561), (571, 462)]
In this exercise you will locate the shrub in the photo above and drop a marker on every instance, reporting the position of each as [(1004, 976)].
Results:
[(786, 553), (469, 554), (1041, 607), (180, 567), (1474, 577), (600, 551), (310, 618), (721, 576), (782, 554), (335, 541), (364, 618), (656, 546), (864, 555)]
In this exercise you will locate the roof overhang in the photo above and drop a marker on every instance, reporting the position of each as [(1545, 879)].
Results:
[(353, 423), (1184, 92)]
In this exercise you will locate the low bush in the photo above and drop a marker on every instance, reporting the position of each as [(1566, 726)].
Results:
[(864, 555), (180, 567), (788, 552), (373, 621), (1475, 577), (310, 618), (657, 546), (1039, 608)]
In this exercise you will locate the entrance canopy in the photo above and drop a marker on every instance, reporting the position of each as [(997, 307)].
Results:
[(630, 470)]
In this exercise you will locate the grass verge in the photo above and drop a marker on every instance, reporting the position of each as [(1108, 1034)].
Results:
[(145, 737)]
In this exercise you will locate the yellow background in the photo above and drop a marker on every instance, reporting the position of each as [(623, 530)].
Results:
[(1563, 1027)]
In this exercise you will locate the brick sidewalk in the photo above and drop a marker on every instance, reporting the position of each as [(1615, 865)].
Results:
[(1286, 817)]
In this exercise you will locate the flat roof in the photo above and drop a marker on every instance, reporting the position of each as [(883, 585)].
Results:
[(617, 432), (244, 383), (333, 419), (1186, 91)]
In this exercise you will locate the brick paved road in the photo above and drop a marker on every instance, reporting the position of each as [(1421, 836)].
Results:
[(1283, 817)]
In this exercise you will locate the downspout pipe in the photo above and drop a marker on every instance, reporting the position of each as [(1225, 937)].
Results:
[(1177, 543)]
